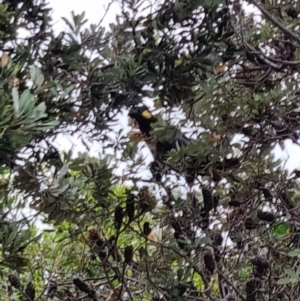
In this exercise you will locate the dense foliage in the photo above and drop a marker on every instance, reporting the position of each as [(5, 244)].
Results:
[(217, 219)]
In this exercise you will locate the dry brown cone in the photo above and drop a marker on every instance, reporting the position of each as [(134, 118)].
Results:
[(93, 236), (30, 291)]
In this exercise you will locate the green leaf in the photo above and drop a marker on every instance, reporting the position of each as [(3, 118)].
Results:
[(294, 253), (40, 80), (284, 281), (281, 230), (180, 274), (26, 102), (291, 273), (35, 73)]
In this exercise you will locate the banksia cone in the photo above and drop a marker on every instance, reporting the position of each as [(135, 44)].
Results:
[(118, 217), (128, 254), (14, 281), (93, 236), (251, 287), (146, 229), (207, 199), (209, 262), (265, 216), (30, 291), (261, 265), (82, 286), (130, 207)]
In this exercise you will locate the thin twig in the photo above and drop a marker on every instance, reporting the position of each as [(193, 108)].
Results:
[(275, 21)]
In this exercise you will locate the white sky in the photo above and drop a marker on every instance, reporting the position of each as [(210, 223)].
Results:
[(94, 10)]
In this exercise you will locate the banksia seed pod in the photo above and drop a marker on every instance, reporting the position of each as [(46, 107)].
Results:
[(130, 207), (146, 229), (251, 290), (207, 199), (14, 281), (118, 217), (30, 291), (93, 236), (260, 264), (81, 285), (209, 262), (265, 216), (128, 254)]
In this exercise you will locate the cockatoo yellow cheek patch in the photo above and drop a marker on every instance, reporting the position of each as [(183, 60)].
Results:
[(146, 114)]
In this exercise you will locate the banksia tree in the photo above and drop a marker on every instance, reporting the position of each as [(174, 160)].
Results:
[(212, 94)]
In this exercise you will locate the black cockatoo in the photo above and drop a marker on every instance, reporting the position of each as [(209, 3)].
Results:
[(142, 118)]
